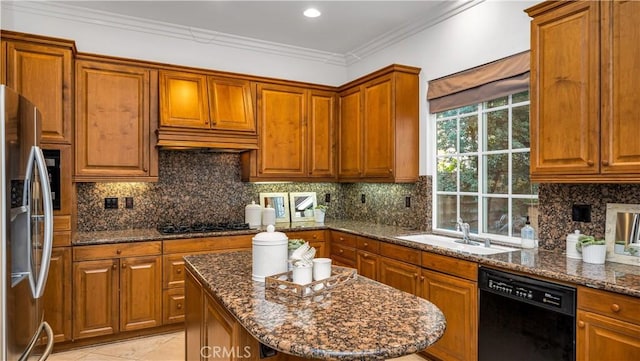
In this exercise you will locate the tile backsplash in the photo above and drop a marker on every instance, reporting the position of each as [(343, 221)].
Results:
[(556, 201), (202, 186)]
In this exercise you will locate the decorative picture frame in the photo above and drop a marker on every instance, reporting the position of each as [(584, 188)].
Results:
[(278, 201), (302, 206), (615, 250)]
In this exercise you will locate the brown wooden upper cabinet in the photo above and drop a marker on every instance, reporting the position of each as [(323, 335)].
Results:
[(41, 69), (296, 135), (192, 102), (116, 112), (378, 127), (584, 121)]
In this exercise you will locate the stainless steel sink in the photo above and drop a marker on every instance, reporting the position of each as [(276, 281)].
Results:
[(450, 243)]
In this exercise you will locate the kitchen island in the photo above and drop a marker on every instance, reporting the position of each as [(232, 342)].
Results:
[(229, 316)]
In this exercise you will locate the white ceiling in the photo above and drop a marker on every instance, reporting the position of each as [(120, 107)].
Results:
[(346, 28)]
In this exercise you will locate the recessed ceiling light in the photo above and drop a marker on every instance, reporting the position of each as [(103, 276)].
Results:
[(312, 13)]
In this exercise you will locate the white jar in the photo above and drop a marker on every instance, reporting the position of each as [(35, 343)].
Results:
[(268, 216), (269, 254), (572, 240), (253, 214)]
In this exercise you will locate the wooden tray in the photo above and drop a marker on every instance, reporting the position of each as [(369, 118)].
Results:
[(282, 282)]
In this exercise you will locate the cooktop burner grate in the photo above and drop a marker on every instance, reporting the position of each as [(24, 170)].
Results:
[(174, 228)]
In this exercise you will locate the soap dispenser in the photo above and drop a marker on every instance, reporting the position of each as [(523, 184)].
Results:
[(528, 235)]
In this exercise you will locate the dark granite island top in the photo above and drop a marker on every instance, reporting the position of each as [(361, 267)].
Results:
[(360, 320)]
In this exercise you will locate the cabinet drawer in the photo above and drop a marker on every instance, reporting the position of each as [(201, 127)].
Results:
[(173, 306), (610, 304), (173, 271), (367, 244), (347, 253), (308, 236), (343, 239), (61, 223), (61, 239), (194, 245), (107, 251), (449, 265), (400, 253)]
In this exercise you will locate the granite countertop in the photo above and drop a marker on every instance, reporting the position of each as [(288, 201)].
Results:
[(363, 319), (615, 277)]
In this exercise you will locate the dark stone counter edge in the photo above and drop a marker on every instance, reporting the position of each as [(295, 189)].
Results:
[(110, 237)]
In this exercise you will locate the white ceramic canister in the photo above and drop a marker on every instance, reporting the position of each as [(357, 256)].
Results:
[(253, 214), (270, 254), (268, 216), (572, 240)]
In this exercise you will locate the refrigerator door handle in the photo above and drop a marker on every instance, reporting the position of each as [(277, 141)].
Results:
[(41, 281), (47, 350)]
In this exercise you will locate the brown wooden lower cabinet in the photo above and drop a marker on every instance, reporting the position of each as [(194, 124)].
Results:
[(367, 264), (458, 299), (608, 326), (400, 275), (116, 294), (57, 294)]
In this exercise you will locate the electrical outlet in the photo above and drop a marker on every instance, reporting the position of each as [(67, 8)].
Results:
[(363, 198), (327, 198), (128, 202), (407, 202), (111, 203), (581, 213)]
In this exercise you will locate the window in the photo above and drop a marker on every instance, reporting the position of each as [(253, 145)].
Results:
[(482, 168)]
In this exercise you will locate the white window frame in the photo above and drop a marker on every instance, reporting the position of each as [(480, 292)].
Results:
[(480, 194)]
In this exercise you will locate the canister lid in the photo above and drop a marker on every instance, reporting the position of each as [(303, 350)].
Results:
[(573, 236), (270, 236), (253, 205)]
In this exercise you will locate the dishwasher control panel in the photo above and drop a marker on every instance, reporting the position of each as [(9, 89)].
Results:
[(533, 291)]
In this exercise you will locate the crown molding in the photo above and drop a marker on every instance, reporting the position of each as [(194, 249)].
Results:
[(443, 12), (96, 17), (102, 18)]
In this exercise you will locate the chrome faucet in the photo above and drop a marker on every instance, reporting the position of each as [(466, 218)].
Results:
[(463, 227)]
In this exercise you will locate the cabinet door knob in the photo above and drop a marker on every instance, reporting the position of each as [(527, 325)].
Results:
[(615, 307), (581, 324), (421, 278), (589, 162), (415, 275), (605, 162), (145, 169), (114, 266), (179, 306), (365, 255), (124, 265)]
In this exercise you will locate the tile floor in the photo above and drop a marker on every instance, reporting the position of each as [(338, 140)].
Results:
[(168, 347)]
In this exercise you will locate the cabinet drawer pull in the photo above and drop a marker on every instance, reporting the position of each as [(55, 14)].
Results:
[(365, 255), (179, 270), (315, 236), (340, 251), (615, 307), (366, 244), (605, 163), (179, 306), (118, 251), (342, 239), (581, 324)]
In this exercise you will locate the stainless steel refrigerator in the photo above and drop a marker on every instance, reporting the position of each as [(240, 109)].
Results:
[(26, 230)]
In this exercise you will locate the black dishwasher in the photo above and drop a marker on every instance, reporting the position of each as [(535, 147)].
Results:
[(523, 318)]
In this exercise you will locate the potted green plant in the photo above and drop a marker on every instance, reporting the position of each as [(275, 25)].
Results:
[(319, 213), (593, 250)]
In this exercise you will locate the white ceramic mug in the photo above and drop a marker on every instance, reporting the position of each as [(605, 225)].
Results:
[(321, 268), (302, 273)]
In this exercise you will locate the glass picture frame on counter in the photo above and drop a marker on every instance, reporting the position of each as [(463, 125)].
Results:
[(302, 206), (279, 202), (622, 233)]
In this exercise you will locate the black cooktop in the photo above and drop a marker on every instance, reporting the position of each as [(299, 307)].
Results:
[(177, 228)]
